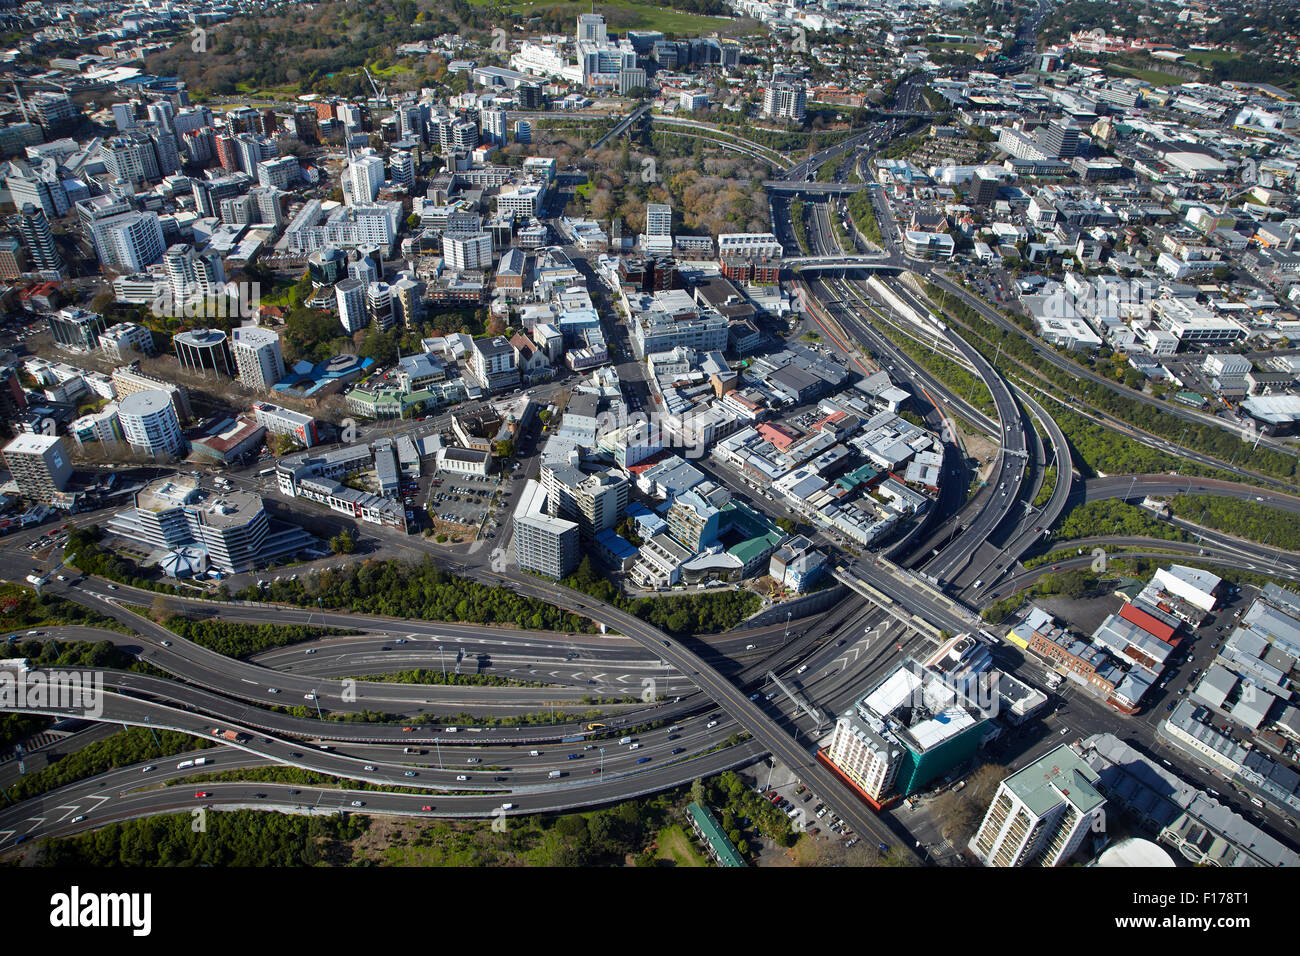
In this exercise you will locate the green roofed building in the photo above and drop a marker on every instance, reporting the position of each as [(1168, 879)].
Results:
[(1041, 813), (707, 829)]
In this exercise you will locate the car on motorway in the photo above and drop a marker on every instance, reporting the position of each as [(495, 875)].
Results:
[(408, 773), (573, 756), (358, 803), (200, 795), (147, 769), (370, 768), (678, 750), (426, 808), (643, 760), (461, 777), (308, 696), (273, 690)]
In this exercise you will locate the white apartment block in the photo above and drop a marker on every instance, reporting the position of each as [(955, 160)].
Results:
[(1041, 813)]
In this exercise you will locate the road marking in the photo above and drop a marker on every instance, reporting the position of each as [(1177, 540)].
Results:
[(39, 821), (71, 810)]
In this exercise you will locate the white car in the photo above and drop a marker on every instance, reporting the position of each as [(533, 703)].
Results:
[(461, 777), (358, 803), (308, 696)]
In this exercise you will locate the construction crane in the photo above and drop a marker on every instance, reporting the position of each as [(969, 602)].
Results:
[(381, 96)]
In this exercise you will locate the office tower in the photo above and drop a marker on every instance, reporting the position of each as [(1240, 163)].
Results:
[(523, 131), (208, 193), (192, 275), (53, 111), (366, 175), (129, 242), (204, 350), (132, 157), (351, 297), (327, 266), (257, 356), (1041, 813), (544, 545), (464, 251), (227, 154), (13, 261), (13, 399), (1060, 140), (49, 197), (379, 305), (188, 121), (128, 379), (280, 173), (163, 141), (494, 125), (457, 135), (592, 28), (658, 219), (39, 464), (602, 501), (35, 230), (401, 169), (785, 101), (77, 329), (163, 113), (149, 423), (306, 124), (529, 97), (123, 116), (198, 145), (985, 188), (251, 150)]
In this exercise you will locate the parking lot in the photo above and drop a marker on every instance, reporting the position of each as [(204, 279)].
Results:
[(467, 501)]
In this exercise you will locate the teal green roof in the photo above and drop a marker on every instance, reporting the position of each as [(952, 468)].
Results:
[(708, 825), (1057, 770)]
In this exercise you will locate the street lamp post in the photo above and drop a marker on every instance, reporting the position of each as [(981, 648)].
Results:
[(602, 764), (316, 697), (443, 661), (437, 742)]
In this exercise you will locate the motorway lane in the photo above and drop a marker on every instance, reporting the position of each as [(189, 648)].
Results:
[(51, 814), (1137, 487)]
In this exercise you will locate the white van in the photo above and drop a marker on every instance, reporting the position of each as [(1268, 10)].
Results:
[(534, 753), (625, 740)]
